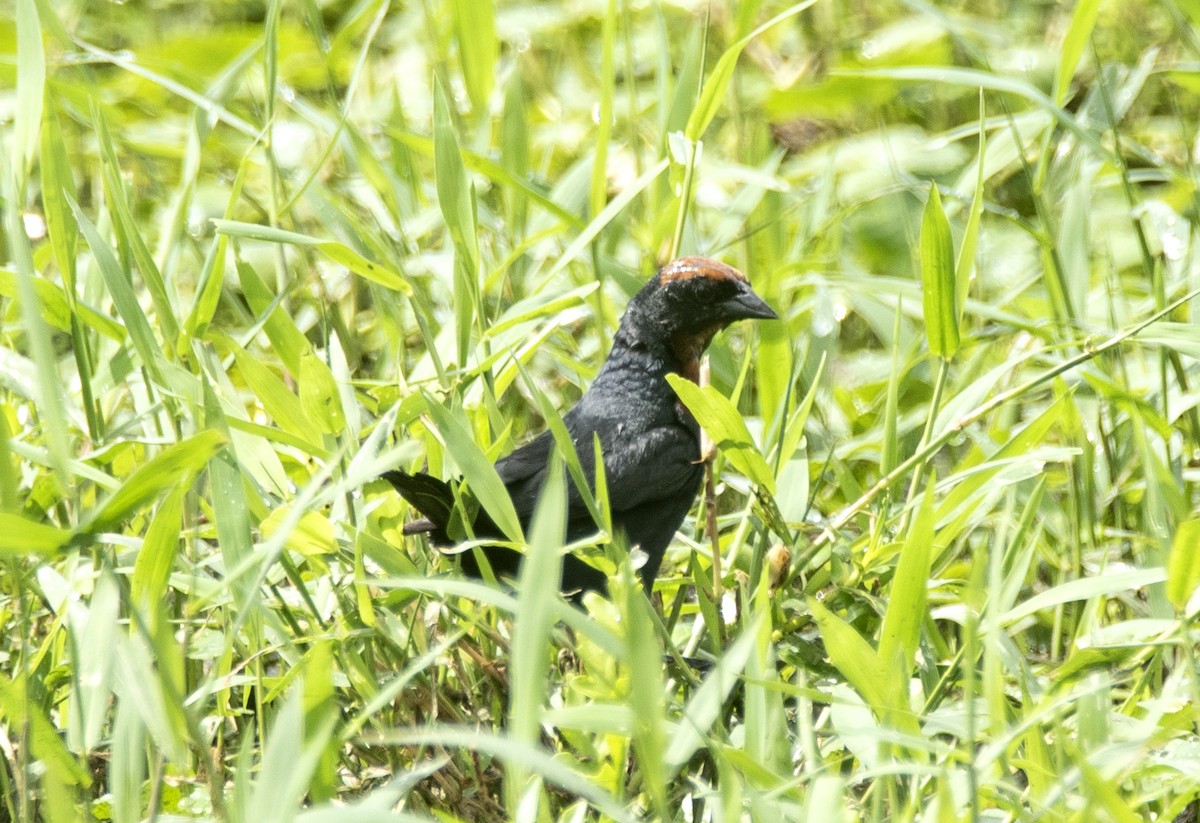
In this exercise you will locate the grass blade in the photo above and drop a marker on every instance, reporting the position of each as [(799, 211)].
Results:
[(937, 279)]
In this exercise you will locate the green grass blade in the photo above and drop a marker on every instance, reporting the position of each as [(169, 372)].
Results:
[(1183, 567), (938, 288), (51, 405), (477, 469), (58, 183), (319, 395), (120, 288), (337, 252), (478, 47), (1084, 589), (540, 575), (865, 669), (288, 411), (721, 419), (31, 83), (160, 546), (175, 465), (128, 233), (550, 768), (704, 706), (906, 611), (1083, 21), (20, 536), (614, 208), (644, 657), (715, 87), (598, 187), (95, 639)]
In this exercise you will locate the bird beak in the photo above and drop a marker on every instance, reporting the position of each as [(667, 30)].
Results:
[(748, 306)]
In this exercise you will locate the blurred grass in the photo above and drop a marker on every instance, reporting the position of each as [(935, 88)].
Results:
[(254, 255)]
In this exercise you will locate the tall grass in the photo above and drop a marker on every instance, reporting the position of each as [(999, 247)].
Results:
[(253, 257)]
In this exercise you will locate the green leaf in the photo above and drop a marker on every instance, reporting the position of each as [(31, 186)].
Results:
[(51, 406), (514, 149), (456, 199), (1083, 20), (1101, 793), (966, 252), (319, 395), (20, 536), (58, 181), (94, 639), (614, 208), (1183, 567), (793, 433), (687, 79), (478, 48), (31, 82), (127, 231), (127, 767), (864, 669), (287, 341), (321, 717), (499, 174), (566, 449), (57, 306), (173, 466), (231, 509), (364, 268), (553, 769), (889, 456), (288, 412), (707, 702), (906, 611), (947, 76), (540, 575), (120, 288), (454, 190), (937, 278), (1017, 448), (46, 746), (1084, 589), (644, 657), (290, 757), (312, 536), (714, 88), (852, 655), (160, 546), (337, 252), (208, 291), (725, 425), (479, 472)]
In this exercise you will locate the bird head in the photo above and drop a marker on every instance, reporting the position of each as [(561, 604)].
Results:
[(689, 301)]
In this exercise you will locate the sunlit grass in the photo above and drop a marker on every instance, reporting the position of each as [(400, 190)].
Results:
[(254, 257)]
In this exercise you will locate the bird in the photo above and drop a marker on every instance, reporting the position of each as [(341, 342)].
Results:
[(650, 442)]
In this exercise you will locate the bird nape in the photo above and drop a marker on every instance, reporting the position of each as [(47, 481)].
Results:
[(649, 441)]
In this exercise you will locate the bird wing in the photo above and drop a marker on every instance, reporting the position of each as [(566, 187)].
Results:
[(639, 468), (524, 471), (658, 464)]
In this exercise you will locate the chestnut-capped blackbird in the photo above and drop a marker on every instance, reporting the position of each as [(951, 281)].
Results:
[(650, 442)]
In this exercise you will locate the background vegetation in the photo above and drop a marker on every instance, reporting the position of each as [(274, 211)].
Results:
[(254, 256)]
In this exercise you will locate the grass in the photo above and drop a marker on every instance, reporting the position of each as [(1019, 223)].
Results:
[(254, 257)]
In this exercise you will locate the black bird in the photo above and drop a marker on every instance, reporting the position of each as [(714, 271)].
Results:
[(650, 442)]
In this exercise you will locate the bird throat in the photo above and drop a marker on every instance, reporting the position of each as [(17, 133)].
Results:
[(688, 348)]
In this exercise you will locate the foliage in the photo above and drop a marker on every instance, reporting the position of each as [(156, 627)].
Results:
[(255, 256)]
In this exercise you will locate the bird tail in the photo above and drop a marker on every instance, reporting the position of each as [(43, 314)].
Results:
[(433, 498)]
